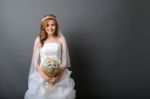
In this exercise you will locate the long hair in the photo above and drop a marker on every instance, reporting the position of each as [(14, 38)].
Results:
[(43, 35)]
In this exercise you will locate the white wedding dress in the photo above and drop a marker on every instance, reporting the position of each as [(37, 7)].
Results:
[(38, 88)]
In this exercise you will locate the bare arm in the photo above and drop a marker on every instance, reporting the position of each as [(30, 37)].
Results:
[(63, 63), (36, 51)]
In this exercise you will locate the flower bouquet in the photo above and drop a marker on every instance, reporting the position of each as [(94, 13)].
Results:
[(50, 67)]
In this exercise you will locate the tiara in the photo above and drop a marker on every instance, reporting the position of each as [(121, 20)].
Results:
[(48, 17)]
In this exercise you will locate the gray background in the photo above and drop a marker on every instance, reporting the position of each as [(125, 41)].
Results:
[(108, 42)]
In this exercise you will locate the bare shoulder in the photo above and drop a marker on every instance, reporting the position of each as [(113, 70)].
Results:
[(61, 39)]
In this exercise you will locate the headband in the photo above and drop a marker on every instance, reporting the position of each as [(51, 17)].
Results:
[(48, 17)]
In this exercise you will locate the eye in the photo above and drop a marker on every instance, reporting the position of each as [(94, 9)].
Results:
[(53, 24)]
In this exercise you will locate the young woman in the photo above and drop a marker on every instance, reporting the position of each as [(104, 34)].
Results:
[(50, 43)]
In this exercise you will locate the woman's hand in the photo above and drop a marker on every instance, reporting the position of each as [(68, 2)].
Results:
[(51, 81)]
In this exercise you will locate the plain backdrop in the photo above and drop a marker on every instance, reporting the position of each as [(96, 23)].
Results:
[(108, 42)]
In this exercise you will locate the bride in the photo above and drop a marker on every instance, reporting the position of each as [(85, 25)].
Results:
[(50, 43)]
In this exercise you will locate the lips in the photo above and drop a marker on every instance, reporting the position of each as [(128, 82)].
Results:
[(50, 32)]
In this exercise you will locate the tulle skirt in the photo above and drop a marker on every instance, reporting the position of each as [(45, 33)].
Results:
[(38, 88)]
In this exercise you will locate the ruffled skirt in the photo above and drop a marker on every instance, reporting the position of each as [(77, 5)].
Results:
[(38, 88)]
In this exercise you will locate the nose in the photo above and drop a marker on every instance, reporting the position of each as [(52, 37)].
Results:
[(50, 27)]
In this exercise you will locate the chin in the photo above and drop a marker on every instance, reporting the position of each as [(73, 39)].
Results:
[(50, 33)]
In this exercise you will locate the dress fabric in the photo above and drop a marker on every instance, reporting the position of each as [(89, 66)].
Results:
[(38, 88)]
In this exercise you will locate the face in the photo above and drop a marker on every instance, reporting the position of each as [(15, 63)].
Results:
[(51, 27)]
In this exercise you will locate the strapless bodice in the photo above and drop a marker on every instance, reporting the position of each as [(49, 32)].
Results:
[(52, 50)]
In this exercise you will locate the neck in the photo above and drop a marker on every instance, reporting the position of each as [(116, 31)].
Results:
[(50, 36)]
